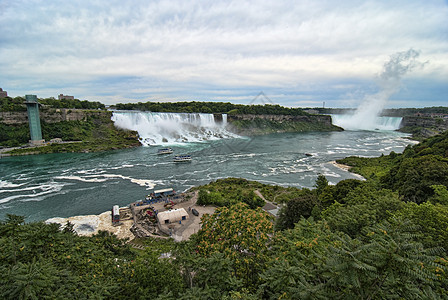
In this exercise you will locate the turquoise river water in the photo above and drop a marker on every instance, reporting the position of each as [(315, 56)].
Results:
[(62, 185)]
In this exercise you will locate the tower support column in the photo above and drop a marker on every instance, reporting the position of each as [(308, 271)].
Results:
[(32, 107)]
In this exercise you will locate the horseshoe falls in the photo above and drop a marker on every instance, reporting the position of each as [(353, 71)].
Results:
[(156, 128), (358, 122)]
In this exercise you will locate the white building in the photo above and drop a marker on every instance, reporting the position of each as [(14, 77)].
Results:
[(172, 216)]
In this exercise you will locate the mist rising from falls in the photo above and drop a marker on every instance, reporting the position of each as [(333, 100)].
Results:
[(379, 123), (366, 116), (171, 128)]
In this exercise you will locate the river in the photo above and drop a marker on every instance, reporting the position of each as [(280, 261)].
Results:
[(40, 187)]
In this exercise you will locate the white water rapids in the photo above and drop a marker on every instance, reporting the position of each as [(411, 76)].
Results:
[(155, 128)]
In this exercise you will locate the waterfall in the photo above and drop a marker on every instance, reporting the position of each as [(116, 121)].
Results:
[(351, 122), (156, 128)]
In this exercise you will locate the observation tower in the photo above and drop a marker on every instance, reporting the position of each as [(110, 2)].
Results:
[(32, 107)]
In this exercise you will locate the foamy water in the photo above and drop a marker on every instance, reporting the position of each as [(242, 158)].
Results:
[(366, 121), (156, 128), (62, 185)]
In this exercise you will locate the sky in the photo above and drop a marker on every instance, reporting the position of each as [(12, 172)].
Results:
[(298, 53)]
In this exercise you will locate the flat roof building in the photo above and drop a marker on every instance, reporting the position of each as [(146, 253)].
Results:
[(3, 94), (61, 97), (172, 216)]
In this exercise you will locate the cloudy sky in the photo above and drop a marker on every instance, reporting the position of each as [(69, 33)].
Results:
[(299, 53)]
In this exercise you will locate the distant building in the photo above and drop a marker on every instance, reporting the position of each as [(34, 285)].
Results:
[(61, 97), (56, 140), (3, 94)]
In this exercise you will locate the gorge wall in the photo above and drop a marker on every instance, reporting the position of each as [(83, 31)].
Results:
[(264, 124), (52, 115), (424, 126)]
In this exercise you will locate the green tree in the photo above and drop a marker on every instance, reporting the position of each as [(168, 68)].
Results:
[(386, 262), (364, 206), (433, 222), (241, 234), (413, 178), (321, 183), (295, 209)]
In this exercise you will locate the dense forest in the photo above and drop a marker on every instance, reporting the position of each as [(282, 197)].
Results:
[(382, 238), (17, 104), (211, 107)]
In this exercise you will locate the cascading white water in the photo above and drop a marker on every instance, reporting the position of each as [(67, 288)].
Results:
[(349, 122), (156, 128)]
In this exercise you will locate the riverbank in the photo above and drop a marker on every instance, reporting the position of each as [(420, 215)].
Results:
[(346, 168), (89, 225)]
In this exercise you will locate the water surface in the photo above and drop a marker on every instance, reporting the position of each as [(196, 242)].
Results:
[(62, 185)]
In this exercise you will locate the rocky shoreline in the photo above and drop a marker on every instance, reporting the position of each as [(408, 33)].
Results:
[(346, 168)]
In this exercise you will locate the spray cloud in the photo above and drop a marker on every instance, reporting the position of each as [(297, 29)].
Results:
[(389, 82)]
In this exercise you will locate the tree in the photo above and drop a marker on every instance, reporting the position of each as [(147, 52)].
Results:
[(295, 209), (364, 206), (386, 262), (433, 222), (241, 234), (321, 183), (413, 178)]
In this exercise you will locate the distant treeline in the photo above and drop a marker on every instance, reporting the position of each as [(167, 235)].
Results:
[(17, 104), (211, 107)]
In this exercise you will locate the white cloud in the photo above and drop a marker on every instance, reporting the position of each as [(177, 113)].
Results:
[(169, 47)]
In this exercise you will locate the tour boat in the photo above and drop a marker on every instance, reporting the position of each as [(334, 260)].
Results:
[(182, 158), (165, 151)]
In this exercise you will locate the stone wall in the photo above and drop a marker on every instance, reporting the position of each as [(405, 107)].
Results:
[(51, 115)]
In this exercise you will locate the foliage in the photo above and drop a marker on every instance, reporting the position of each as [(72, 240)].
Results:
[(17, 104), (437, 145), (12, 104), (311, 262), (364, 206), (241, 234), (337, 193), (14, 135), (39, 260), (321, 184), (414, 177), (295, 209), (370, 168), (229, 191), (412, 173), (211, 107), (71, 103), (433, 222), (440, 194)]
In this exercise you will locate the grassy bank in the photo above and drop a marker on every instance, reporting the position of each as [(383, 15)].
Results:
[(96, 133)]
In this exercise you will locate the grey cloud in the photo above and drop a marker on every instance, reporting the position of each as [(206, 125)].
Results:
[(221, 44)]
